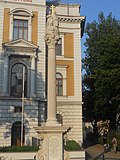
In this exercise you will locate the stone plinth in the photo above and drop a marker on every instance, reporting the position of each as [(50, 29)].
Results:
[(51, 147)]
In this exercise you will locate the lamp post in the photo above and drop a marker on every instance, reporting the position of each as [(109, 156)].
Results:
[(22, 119)]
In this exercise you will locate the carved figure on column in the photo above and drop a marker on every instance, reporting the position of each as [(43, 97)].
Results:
[(52, 31)]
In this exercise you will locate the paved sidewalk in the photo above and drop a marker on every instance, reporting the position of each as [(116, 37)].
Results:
[(97, 150), (112, 155), (94, 151)]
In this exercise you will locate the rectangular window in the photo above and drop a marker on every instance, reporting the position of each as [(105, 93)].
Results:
[(20, 29), (17, 109), (59, 48)]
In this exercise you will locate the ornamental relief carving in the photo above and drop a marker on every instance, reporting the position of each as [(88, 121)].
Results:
[(41, 153), (54, 147), (69, 20)]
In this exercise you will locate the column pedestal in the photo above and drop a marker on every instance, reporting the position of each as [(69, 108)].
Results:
[(51, 147)]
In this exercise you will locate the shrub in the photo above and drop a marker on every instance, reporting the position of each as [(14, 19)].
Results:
[(72, 145), (19, 149)]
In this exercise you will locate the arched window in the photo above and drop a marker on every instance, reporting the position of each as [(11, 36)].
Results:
[(59, 84), (17, 80)]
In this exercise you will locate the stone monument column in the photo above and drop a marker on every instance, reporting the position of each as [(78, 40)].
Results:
[(51, 87), (51, 134), (51, 38)]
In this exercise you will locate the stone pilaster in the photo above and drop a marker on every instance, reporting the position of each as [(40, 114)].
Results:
[(5, 76), (32, 86)]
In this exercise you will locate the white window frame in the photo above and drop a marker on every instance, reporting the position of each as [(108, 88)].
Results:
[(62, 40), (21, 17), (10, 77), (63, 71), (57, 84)]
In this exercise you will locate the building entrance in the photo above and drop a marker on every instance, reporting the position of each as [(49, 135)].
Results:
[(16, 134)]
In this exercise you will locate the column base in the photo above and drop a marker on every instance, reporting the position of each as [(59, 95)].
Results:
[(52, 122)]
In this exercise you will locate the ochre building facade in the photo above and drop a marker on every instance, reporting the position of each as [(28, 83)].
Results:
[(23, 62)]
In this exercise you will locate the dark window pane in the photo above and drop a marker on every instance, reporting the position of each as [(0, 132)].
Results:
[(20, 32), (26, 24), (59, 48), (15, 33), (21, 23), (15, 22), (20, 29), (25, 34), (17, 80), (59, 84), (17, 109)]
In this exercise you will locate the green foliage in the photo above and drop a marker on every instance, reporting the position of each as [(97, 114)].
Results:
[(19, 149), (110, 135), (72, 145), (101, 91)]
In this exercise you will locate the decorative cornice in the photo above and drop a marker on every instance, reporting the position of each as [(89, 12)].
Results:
[(73, 19), (19, 45), (19, 49), (7, 98), (62, 103), (70, 19), (21, 9)]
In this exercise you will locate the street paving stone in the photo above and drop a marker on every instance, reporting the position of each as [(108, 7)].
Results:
[(97, 150)]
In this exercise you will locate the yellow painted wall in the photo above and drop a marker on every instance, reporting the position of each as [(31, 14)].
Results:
[(70, 75), (6, 25), (35, 28), (69, 45)]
